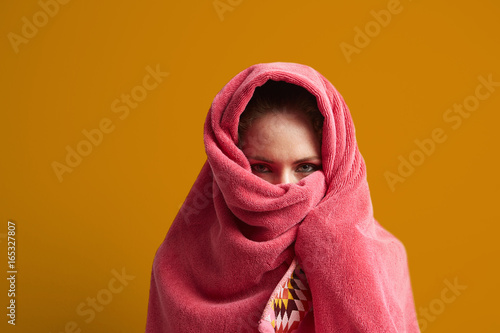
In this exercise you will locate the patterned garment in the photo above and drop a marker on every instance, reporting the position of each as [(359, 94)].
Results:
[(289, 303)]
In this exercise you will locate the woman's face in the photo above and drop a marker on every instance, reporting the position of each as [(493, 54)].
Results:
[(282, 148)]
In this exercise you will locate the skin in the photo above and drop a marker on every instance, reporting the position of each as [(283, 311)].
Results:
[(283, 147)]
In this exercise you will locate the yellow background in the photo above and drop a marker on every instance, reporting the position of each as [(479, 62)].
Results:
[(114, 209)]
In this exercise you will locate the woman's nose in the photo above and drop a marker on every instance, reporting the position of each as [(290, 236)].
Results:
[(286, 177)]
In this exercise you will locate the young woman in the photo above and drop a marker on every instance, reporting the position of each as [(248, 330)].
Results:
[(277, 233)]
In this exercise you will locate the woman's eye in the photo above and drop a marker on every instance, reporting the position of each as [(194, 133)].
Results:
[(260, 168), (307, 168)]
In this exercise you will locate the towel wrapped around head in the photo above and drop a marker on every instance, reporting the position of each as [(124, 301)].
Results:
[(236, 235)]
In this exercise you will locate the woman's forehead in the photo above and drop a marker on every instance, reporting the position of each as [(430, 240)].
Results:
[(282, 136)]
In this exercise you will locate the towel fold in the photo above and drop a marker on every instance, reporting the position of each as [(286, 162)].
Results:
[(236, 235)]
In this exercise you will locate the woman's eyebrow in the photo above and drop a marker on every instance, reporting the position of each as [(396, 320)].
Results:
[(307, 159), (259, 158), (263, 159)]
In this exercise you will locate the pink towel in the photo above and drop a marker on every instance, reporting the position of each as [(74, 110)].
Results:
[(236, 235)]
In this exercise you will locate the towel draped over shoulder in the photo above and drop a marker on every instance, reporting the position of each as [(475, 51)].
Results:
[(236, 235)]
